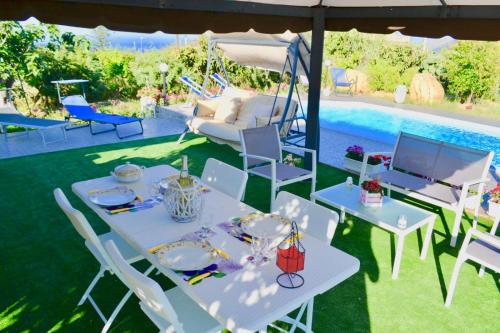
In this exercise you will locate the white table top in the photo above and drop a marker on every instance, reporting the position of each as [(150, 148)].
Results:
[(386, 217), (244, 300)]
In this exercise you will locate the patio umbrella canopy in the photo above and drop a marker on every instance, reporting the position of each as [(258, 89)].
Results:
[(462, 19)]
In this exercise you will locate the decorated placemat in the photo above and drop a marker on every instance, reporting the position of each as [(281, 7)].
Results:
[(221, 265)]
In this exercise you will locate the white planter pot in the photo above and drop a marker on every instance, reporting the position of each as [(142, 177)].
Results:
[(355, 166), (371, 199), (493, 209)]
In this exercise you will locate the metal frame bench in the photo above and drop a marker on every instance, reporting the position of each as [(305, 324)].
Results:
[(436, 172)]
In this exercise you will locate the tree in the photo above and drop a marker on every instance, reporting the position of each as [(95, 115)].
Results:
[(101, 37), (472, 69)]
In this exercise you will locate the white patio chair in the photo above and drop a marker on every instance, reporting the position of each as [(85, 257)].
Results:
[(225, 178), (315, 220), (262, 156), (172, 310), (485, 250), (94, 244)]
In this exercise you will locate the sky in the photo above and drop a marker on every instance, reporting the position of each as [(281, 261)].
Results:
[(130, 40)]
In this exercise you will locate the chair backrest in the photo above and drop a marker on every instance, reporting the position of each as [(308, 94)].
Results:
[(261, 141), (74, 100), (317, 221), (452, 164), (146, 289), (467, 164), (415, 154), (339, 75), (225, 178), (81, 225)]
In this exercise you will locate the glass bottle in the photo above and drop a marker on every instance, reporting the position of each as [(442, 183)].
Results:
[(184, 179)]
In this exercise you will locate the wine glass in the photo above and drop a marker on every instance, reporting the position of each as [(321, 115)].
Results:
[(259, 246), (155, 191), (206, 223)]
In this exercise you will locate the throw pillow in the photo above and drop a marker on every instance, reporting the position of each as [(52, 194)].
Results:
[(227, 110)]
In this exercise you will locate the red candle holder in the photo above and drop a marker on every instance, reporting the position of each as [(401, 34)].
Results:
[(290, 259)]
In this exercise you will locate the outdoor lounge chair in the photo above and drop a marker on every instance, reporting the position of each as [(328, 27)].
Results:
[(195, 89), (9, 116), (439, 173), (339, 78), (221, 82), (78, 108), (262, 156), (485, 250)]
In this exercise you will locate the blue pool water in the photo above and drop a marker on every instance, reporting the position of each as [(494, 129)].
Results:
[(383, 127)]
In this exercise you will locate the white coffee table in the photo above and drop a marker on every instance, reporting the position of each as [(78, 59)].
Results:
[(386, 217)]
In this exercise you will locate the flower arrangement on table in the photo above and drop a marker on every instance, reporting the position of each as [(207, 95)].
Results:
[(371, 193)]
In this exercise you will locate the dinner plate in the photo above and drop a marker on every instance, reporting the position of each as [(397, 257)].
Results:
[(265, 225), (116, 196), (187, 255)]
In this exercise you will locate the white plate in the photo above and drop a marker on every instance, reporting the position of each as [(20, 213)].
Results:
[(265, 225), (113, 197), (187, 255)]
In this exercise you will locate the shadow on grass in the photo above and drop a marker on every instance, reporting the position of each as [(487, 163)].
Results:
[(46, 267)]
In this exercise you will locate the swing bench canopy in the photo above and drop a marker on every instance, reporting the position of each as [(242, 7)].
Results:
[(265, 51), (287, 52)]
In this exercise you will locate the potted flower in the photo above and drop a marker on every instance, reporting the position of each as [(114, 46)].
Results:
[(494, 201), (371, 193), (353, 160)]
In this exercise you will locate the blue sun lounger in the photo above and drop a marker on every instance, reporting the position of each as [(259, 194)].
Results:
[(195, 88), (78, 108), (9, 116)]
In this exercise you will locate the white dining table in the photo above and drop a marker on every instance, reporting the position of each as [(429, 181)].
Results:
[(245, 300)]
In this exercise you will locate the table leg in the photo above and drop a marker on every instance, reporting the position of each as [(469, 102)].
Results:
[(427, 241), (309, 318), (342, 215), (397, 259)]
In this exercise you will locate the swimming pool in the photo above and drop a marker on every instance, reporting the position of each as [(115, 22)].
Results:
[(382, 124)]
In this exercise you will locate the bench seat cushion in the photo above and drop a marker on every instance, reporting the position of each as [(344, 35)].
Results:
[(215, 128), (422, 186)]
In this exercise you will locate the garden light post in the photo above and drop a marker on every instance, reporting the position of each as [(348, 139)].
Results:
[(163, 69)]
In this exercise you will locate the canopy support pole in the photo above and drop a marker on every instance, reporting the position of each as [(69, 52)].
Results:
[(209, 65), (312, 123)]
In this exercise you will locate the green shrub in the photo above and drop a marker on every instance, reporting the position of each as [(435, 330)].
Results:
[(472, 69), (382, 76)]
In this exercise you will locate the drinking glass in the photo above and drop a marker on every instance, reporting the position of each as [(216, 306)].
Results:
[(206, 223), (349, 182), (155, 191), (259, 246)]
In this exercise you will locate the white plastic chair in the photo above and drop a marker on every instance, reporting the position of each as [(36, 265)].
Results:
[(485, 250), (318, 222), (171, 311), (225, 178), (94, 244)]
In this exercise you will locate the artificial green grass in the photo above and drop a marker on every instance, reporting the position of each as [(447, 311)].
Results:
[(45, 267)]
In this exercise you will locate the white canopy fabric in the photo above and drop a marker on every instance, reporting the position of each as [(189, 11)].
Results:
[(266, 51)]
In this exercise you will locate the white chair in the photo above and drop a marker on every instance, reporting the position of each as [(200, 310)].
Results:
[(485, 250), (262, 156), (318, 222), (95, 245), (172, 310), (225, 178)]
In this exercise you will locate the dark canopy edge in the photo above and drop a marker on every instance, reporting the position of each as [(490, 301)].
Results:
[(195, 16)]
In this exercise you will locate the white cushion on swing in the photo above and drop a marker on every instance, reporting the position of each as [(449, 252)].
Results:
[(254, 107), (215, 128), (228, 109)]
